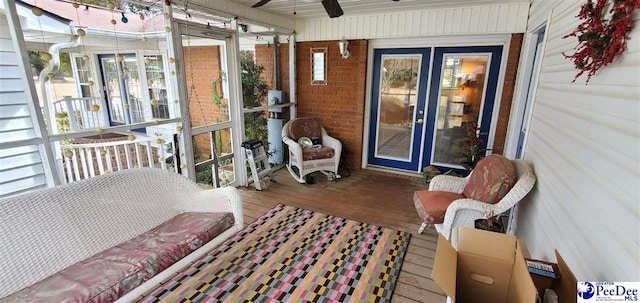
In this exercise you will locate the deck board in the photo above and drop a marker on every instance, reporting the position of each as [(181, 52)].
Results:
[(367, 196)]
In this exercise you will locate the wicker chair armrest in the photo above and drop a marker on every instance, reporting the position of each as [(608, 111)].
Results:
[(294, 147), (463, 212), (448, 183), (331, 142), (523, 186), (226, 199)]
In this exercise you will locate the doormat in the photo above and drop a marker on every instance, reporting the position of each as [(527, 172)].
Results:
[(293, 254)]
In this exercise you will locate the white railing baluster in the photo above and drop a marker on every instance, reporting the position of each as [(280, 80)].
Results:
[(99, 158), (138, 150), (108, 159), (127, 153), (118, 156), (163, 164), (74, 162), (80, 113), (71, 115), (83, 161), (67, 164), (92, 170)]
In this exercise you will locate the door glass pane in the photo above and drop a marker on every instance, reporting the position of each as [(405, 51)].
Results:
[(460, 99), (132, 81), (397, 97), (112, 84), (157, 86)]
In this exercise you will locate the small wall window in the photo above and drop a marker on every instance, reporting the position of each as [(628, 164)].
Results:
[(319, 66)]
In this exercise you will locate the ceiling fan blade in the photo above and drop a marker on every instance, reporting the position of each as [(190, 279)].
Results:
[(333, 8), (261, 3)]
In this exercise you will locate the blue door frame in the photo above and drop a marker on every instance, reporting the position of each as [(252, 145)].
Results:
[(413, 162), (423, 136), (489, 97)]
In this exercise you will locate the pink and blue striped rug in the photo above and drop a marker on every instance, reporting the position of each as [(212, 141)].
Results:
[(294, 255)]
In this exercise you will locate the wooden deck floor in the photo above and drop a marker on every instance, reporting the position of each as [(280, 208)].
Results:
[(366, 196)]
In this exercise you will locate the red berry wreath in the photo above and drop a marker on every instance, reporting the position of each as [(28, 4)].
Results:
[(601, 40)]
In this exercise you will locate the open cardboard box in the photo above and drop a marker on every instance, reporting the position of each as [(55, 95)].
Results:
[(488, 267), (566, 287)]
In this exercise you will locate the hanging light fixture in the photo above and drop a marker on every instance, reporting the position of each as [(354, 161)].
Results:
[(344, 51)]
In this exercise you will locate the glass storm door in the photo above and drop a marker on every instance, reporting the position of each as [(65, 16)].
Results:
[(397, 107), (205, 57), (463, 91), (122, 89)]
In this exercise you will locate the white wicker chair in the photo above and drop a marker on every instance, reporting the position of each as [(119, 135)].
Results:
[(305, 167), (45, 231), (463, 212)]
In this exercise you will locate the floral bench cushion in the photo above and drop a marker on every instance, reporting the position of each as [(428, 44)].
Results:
[(112, 273)]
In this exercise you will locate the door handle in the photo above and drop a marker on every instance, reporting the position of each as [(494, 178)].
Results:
[(419, 121)]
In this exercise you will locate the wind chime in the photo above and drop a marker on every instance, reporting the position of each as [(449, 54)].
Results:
[(95, 107)]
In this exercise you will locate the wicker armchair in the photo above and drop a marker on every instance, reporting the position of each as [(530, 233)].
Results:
[(464, 211), (303, 161)]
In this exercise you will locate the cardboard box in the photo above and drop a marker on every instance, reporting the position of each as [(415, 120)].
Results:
[(487, 267), (566, 286)]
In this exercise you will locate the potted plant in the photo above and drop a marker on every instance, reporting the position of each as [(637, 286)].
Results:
[(490, 224), (472, 153)]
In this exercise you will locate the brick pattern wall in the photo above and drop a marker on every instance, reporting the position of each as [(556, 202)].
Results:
[(507, 93), (264, 57), (340, 103)]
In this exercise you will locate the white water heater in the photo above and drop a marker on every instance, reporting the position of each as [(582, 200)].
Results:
[(274, 97), (274, 128)]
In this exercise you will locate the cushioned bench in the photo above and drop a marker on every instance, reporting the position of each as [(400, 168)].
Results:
[(109, 238), (108, 275)]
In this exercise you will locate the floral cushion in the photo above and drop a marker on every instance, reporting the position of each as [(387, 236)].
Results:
[(491, 179), (110, 274), (305, 127), (316, 154), (432, 205)]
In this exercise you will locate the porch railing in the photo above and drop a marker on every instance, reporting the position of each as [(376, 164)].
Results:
[(83, 161), (79, 113)]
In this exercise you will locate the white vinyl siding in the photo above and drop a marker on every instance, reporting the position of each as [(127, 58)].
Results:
[(490, 19), (21, 166), (584, 144)]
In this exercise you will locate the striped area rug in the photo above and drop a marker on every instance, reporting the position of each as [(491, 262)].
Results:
[(294, 255)]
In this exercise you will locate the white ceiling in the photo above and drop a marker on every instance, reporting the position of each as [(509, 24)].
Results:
[(305, 9)]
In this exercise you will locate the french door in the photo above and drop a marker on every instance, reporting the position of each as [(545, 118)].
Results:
[(398, 104), (424, 111)]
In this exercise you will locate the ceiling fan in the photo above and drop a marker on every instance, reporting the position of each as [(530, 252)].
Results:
[(331, 6)]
